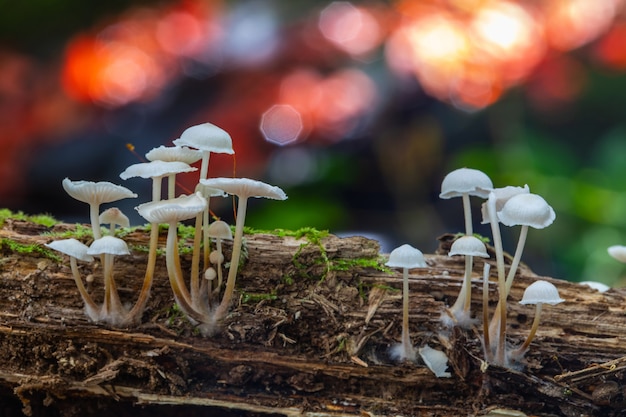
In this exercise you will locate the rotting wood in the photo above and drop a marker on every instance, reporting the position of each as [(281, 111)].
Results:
[(315, 346)]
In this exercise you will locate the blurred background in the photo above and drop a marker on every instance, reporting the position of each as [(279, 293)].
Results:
[(356, 109)]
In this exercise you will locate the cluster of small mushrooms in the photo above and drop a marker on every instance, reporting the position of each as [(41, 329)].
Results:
[(510, 206), (198, 300)]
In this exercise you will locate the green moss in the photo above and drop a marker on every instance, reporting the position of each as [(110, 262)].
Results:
[(80, 231), (480, 237), (42, 219), (342, 264), (32, 249), (248, 297)]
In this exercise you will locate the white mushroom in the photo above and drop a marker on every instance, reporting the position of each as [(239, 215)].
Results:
[(174, 154), (468, 246), (466, 182), (77, 251), (207, 138), (156, 170), (538, 293), (435, 360), (113, 217), (243, 188), (618, 252), (405, 257), (95, 194), (110, 246), (219, 230)]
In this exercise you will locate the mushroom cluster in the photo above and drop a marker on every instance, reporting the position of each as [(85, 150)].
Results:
[(197, 294), (509, 206)]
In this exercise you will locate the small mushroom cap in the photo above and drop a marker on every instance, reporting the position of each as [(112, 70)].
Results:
[(598, 286), (96, 192), (174, 154), (502, 195), (206, 137), (618, 252), (108, 245), (541, 292), (245, 187), (209, 192), (406, 256), (114, 215), (155, 169), (220, 229), (527, 210), (173, 210), (435, 360), (71, 247), (210, 274), (465, 181), (470, 246)]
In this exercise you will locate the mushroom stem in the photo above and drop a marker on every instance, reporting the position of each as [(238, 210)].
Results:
[(156, 188), (218, 244), (205, 234), (467, 283), (467, 211), (140, 304), (90, 306), (533, 330), (171, 186), (174, 273), (112, 304), (94, 214), (499, 317), (517, 257), (406, 339), (195, 263), (221, 310), (486, 343)]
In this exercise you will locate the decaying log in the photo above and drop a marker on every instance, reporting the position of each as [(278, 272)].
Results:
[(308, 336)]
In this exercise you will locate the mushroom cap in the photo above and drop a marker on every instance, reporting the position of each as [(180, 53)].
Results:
[(96, 192), (527, 210), (173, 210), (406, 256), (618, 252), (155, 169), (435, 360), (598, 286), (209, 192), (206, 137), (71, 247), (465, 181), (468, 245), (108, 245), (541, 292), (502, 195), (245, 187), (220, 229), (174, 154), (114, 215)]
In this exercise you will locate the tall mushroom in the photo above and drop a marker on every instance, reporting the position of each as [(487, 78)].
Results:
[(243, 188), (173, 154), (468, 246), (538, 293), (78, 251), (405, 257), (112, 311), (172, 211), (95, 194)]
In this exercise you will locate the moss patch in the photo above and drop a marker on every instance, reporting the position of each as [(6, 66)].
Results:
[(42, 219)]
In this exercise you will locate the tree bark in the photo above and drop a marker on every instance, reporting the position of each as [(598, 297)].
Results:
[(308, 335)]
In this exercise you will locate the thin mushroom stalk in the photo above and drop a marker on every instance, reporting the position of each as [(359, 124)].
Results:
[(486, 343), (406, 338)]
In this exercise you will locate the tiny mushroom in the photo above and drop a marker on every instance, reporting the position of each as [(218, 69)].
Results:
[(110, 246), (468, 246), (219, 230), (595, 285), (243, 188), (77, 251), (405, 257), (95, 194), (466, 182), (539, 292), (113, 217), (435, 360)]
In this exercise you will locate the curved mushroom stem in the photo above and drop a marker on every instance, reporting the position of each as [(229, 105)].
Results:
[(134, 315), (516, 258), (461, 308), (174, 273), (467, 212), (409, 352), (221, 310), (486, 343), (499, 317), (112, 310), (91, 307), (519, 352)]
